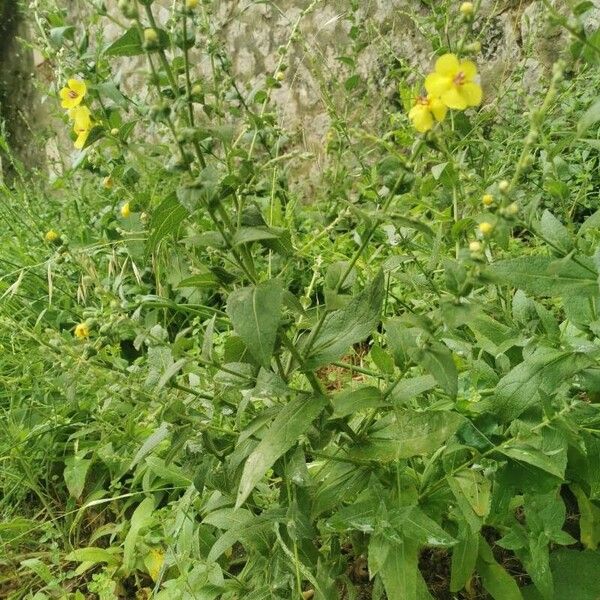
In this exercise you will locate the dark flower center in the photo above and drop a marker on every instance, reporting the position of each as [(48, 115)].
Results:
[(459, 78)]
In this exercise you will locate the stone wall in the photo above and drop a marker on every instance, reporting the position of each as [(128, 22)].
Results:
[(513, 34), (18, 101)]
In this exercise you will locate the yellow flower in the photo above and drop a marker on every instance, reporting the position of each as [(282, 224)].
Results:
[(191, 4), (487, 200), (125, 210), (72, 94), (425, 110), (454, 82), (82, 331), (82, 124), (51, 236), (485, 228)]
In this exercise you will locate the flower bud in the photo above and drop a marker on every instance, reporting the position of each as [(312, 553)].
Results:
[(150, 39), (503, 186), (280, 76), (512, 209), (128, 8), (107, 182), (114, 131), (474, 47), (475, 247), (485, 228), (466, 9)]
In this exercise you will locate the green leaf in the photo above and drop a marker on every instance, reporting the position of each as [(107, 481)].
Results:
[(575, 576), (477, 490), (590, 117), (533, 456), (169, 472), (437, 359), (499, 584), (140, 518), (399, 570), (349, 402), (383, 361), (407, 389), (417, 526), (544, 369), (538, 566), (129, 44), (347, 326), (464, 558), (94, 555), (75, 472), (546, 276), (255, 312), (153, 440), (200, 280), (589, 520), (109, 90), (166, 220), (291, 422), (408, 433), (245, 235), (244, 527), (555, 233)]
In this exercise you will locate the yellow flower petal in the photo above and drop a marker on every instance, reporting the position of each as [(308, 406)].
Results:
[(472, 93), (81, 139), (78, 87), (469, 68), (437, 84), (81, 118), (421, 118), (68, 102), (82, 330), (438, 108), (452, 98), (447, 65)]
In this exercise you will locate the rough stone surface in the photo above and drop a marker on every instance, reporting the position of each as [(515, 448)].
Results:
[(17, 99)]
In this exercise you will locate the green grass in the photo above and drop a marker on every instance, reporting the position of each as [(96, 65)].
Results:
[(281, 379)]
